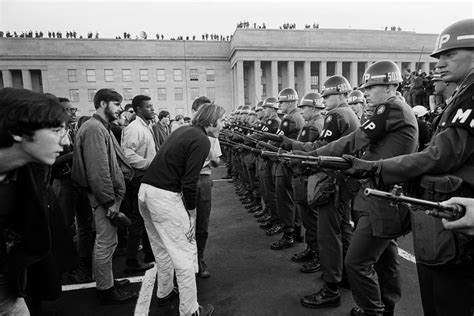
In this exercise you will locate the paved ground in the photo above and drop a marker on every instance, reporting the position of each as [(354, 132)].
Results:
[(247, 277)]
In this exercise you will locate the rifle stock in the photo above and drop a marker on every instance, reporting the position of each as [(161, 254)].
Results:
[(436, 209)]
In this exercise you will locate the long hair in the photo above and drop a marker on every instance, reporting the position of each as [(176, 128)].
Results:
[(208, 114), (22, 112)]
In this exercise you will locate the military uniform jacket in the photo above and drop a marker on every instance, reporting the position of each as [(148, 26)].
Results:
[(450, 152), (310, 133), (292, 124), (391, 131)]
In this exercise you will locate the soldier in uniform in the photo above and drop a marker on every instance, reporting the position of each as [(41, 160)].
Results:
[(333, 226), (356, 101), (267, 171), (372, 258), (311, 106), (444, 258), (290, 126)]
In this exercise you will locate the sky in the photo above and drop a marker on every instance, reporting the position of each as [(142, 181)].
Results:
[(193, 17)]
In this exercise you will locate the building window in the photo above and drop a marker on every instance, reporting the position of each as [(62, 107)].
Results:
[(109, 75), (314, 81), (194, 93), (126, 75), (72, 75), (211, 93), (160, 75), (91, 94), (209, 74), (161, 94), (178, 94), (127, 93), (193, 75), (177, 75), (143, 74), (145, 91), (90, 75), (74, 95)]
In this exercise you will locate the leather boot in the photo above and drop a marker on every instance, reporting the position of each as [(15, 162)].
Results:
[(286, 241), (324, 298), (304, 256)]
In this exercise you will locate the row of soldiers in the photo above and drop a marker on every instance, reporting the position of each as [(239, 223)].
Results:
[(335, 155)]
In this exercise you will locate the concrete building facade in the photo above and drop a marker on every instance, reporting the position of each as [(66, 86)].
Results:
[(255, 64)]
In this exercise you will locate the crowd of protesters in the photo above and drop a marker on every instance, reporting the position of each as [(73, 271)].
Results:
[(79, 180)]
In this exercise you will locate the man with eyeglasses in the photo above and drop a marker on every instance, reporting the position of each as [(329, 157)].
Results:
[(32, 135), (73, 201), (101, 168)]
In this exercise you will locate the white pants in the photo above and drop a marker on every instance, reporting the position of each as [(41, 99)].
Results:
[(167, 222)]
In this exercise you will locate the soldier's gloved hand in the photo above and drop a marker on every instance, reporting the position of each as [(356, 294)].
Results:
[(362, 169), (287, 143)]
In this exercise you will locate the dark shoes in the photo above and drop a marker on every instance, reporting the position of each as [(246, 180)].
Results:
[(313, 266), (286, 241), (121, 283), (304, 256), (204, 310), (168, 298), (115, 295), (324, 298), (275, 230), (203, 272), (266, 225), (264, 218), (135, 266), (260, 213)]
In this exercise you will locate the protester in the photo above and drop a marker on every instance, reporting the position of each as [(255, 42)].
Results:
[(167, 202), (101, 168), (32, 135), (161, 129)]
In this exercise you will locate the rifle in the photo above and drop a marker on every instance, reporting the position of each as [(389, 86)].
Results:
[(245, 147), (257, 142), (328, 162), (270, 136), (436, 209)]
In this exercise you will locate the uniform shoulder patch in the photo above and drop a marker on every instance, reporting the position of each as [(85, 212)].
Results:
[(380, 109)]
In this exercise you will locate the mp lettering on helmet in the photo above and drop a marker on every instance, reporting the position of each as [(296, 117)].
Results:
[(370, 125), (462, 116), (442, 39)]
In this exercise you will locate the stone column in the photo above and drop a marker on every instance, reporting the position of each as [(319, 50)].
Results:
[(426, 68), (413, 66), (307, 77), (240, 82), (322, 74), (354, 77), (258, 79), (26, 79), (7, 79), (232, 82), (291, 74), (338, 68), (274, 74)]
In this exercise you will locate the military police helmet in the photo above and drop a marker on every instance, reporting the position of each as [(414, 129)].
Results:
[(245, 109), (336, 85), (457, 35), (356, 96), (384, 72), (287, 95), (420, 110), (270, 102), (312, 99)]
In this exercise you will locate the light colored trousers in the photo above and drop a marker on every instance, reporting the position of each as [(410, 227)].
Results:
[(9, 304), (104, 246), (167, 222)]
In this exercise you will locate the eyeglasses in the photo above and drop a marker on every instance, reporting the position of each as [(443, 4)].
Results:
[(62, 132)]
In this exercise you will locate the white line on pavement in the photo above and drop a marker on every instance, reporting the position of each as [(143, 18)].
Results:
[(406, 255), (74, 287), (146, 293)]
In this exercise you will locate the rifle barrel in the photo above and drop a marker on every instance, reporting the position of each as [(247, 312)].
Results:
[(452, 211)]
